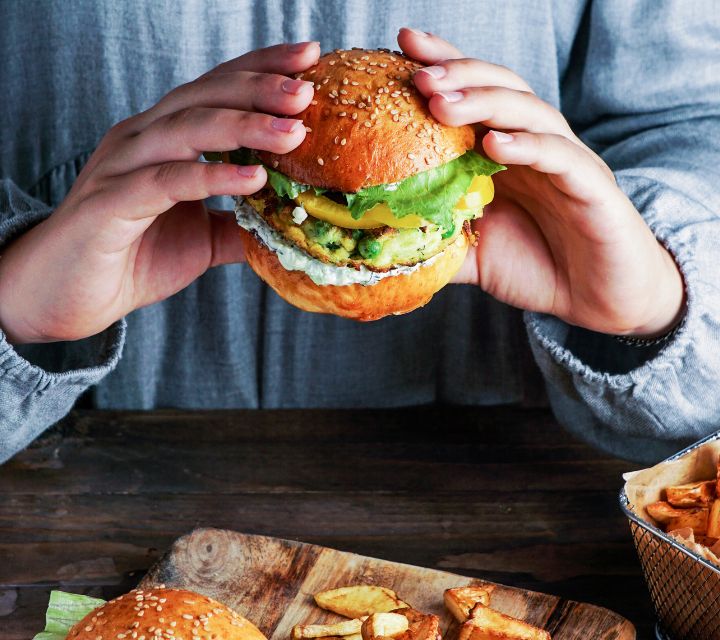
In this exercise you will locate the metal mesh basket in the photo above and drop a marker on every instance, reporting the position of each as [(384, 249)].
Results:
[(685, 588)]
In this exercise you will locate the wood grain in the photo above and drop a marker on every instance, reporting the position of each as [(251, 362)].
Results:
[(499, 493), (272, 581)]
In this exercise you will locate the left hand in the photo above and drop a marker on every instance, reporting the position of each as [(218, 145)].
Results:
[(560, 237)]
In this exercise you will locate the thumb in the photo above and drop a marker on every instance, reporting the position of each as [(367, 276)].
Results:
[(227, 246)]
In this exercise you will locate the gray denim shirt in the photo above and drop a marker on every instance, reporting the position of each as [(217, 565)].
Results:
[(638, 80)]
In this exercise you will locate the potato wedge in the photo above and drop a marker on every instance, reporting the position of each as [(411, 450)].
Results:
[(664, 512), (421, 626), (460, 600), (695, 518), (359, 600), (344, 628), (487, 624), (713, 525), (692, 494), (384, 625)]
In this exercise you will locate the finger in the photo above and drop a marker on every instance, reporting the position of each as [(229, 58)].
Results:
[(426, 47), (242, 90), (286, 59), (453, 75), (570, 168), (146, 193), (227, 246), (499, 108), (185, 134)]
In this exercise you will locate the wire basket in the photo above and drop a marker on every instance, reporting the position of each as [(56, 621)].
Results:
[(684, 587)]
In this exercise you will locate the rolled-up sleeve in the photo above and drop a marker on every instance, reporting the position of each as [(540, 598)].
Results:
[(33, 397), (643, 89)]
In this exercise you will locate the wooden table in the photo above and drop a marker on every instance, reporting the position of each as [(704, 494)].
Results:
[(501, 493)]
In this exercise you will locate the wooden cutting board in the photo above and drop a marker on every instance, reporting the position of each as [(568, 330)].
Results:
[(272, 581)]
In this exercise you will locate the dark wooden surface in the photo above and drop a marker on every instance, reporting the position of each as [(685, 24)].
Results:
[(498, 493)]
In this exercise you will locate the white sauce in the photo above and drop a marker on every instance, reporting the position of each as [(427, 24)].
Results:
[(294, 259)]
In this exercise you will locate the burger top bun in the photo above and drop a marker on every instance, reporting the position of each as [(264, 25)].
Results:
[(176, 613), (367, 125)]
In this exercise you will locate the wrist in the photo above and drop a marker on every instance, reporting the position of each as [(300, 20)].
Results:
[(669, 302)]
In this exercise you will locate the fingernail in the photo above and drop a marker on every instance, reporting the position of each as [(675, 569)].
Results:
[(417, 32), (502, 137), (301, 46), (286, 125), (435, 72), (248, 171), (294, 87), (450, 96)]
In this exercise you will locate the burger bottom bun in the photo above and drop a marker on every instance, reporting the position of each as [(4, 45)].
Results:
[(393, 295), (173, 613)]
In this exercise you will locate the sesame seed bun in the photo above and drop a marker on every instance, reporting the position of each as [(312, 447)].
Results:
[(367, 125), (390, 296), (182, 614)]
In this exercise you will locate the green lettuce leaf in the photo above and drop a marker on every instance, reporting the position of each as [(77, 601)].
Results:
[(432, 194), (65, 610)]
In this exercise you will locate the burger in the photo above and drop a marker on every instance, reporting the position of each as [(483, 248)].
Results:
[(162, 613), (370, 215)]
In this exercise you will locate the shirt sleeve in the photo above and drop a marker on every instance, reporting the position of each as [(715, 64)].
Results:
[(33, 397), (643, 90)]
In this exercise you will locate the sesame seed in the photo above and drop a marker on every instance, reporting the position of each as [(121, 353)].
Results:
[(187, 616), (354, 84), (411, 156), (326, 80), (320, 161), (317, 86), (308, 129), (343, 101), (88, 628), (345, 80), (342, 114), (396, 118), (343, 92), (173, 623), (332, 62), (393, 112), (335, 157), (368, 123), (365, 58), (313, 101), (275, 163), (342, 142), (354, 115), (391, 83), (383, 65)]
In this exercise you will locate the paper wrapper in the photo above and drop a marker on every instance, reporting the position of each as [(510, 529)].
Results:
[(648, 485), (684, 590)]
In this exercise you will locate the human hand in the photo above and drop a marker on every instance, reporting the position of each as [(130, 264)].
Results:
[(560, 237), (133, 229)]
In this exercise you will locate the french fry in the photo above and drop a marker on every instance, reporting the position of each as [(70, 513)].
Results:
[(359, 600), (695, 518), (664, 512), (460, 600), (487, 624), (713, 524), (344, 628), (421, 626), (384, 625), (692, 494)]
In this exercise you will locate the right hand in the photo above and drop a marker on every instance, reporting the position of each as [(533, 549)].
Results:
[(133, 230)]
